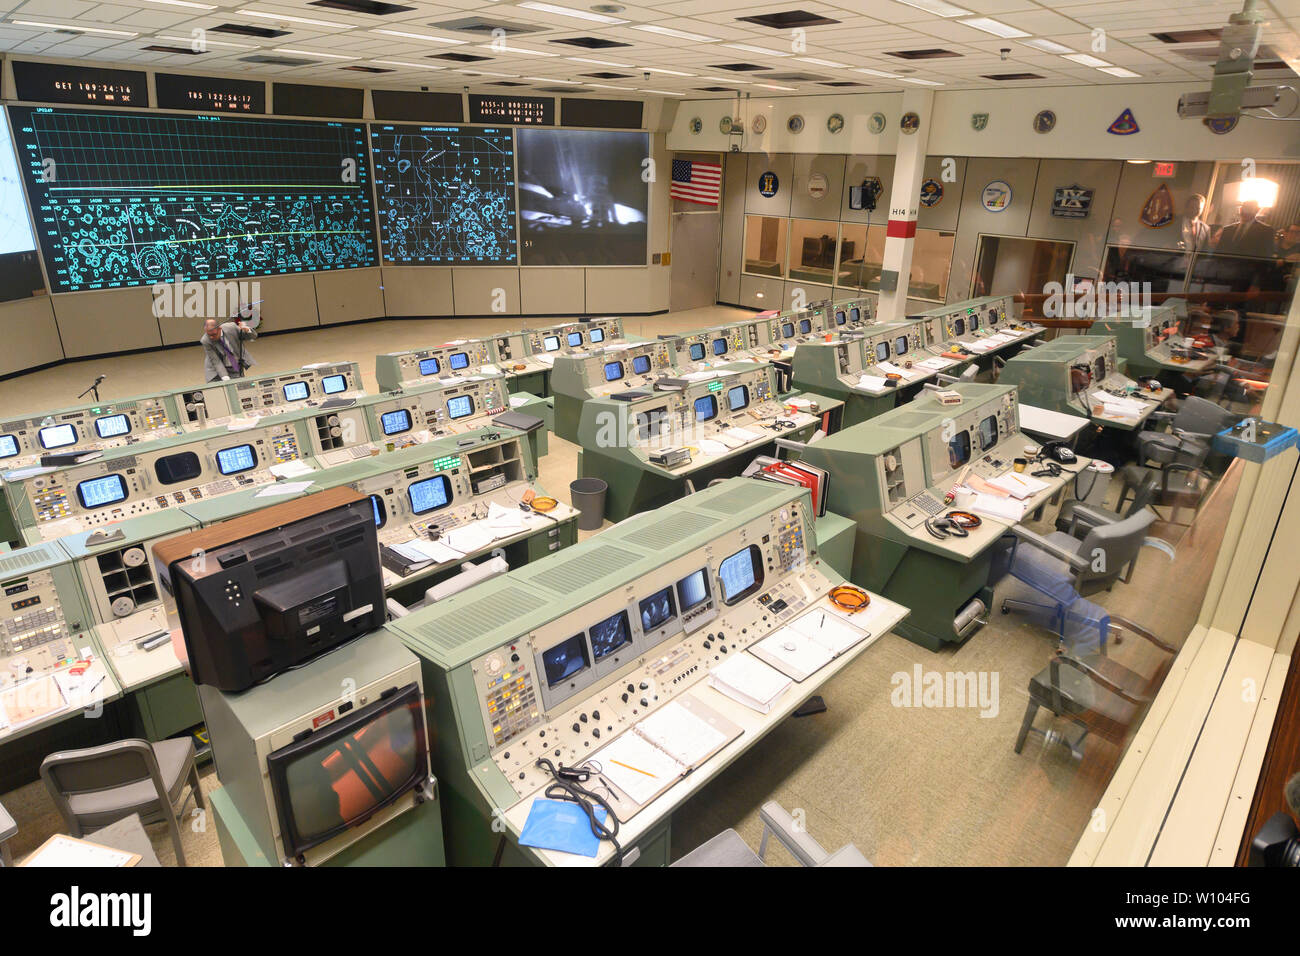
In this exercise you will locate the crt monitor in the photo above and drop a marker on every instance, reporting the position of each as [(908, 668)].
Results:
[(805, 326), (900, 345), (565, 659), (640, 364), (706, 408), (461, 406), (8, 446), (840, 317), (855, 314), (693, 590), (57, 436), (333, 384), (1099, 369), (958, 326), (697, 351), (429, 366), (741, 574), (574, 339), (988, 432), (787, 330), (240, 458), (719, 346), (429, 494), (656, 610), (295, 392), (551, 343), (338, 776), (737, 397), (101, 492), (974, 322), (882, 351), (395, 422), (610, 635), (306, 577), (613, 371), (959, 449), (458, 360), (596, 335), (110, 426)]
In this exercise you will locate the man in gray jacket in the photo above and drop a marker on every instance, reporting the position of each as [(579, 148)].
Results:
[(223, 349)]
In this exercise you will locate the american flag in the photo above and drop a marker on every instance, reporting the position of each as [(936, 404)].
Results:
[(696, 182)]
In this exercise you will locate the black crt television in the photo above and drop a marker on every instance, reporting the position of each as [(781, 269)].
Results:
[(338, 777), (260, 594)]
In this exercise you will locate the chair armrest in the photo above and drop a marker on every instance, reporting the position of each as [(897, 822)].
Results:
[(778, 821), (1091, 515), (1092, 674), (1038, 541), (1161, 416), (1124, 624)]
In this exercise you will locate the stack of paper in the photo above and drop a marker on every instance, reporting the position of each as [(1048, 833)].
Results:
[(937, 363), (873, 382), (742, 435), (1019, 486), (889, 368), (747, 680), (291, 469), (279, 488), (508, 521), (1119, 407), (792, 653), (996, 507), (470, 538)]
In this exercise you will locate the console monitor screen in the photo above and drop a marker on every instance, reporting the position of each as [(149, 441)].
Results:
[(693, 590), (574, 339), (741, 574), (988, 432), (610, 634), (805, 326), (110, 426), (958, 326), (1099, 369), (613, 371), (295, 391), (565, 659), (57, 436), (596, 335), (231, 461), (551, 343), (719, 346), (429, 366), (974, 322), (787, 330), (840, 317), (395, 422), (737, 397), (333, 384), (651, 423), (697, 351), (882, 351), (429, 494), (458, 361), (657, 610), (641, 364), (959, 449), (461, 406), (900, 345), (855, 314), (706, 407), (102, 492), (8, 446), (381, 511)]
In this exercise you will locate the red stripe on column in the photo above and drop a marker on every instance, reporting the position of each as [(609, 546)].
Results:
[(901, 229)]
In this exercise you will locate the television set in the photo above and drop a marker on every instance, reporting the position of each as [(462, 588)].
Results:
[(305, 579)]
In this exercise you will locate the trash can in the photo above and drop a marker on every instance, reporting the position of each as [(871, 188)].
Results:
[(588, 496), (1093, 482)]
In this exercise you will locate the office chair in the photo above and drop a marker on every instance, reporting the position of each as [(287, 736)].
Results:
[(1065, 571), (1095, 693), (7, 831), (1076, 517), (1191, 431), (100, 785), (729, 850)]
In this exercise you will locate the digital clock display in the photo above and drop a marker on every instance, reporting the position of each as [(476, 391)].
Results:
[(512, 110), (56, 83), (209, 94)]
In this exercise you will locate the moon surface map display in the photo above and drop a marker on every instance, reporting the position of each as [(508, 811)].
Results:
[(127, 199), (445, 194)]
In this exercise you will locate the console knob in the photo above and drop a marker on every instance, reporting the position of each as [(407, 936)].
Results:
[(583, 718), (595, 732), (645, 686), (644, 702), (595, 715), (624, 698), (577, 728)]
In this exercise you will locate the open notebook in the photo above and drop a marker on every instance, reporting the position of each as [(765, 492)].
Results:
[(810, 642), (655, 753)]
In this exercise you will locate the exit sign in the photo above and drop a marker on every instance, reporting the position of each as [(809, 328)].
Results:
[(1165, 170)]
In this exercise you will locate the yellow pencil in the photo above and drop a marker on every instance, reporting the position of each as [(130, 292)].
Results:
[(630, 767)]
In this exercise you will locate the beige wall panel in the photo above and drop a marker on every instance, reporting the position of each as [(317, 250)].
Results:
[(30, 334), (350, 294)]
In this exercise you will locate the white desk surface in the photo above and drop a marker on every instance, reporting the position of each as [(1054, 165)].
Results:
[(754, 727), (1044, 421)]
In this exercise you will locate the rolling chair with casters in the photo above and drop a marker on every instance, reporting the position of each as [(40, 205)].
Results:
[(1095, 693), (1076, 517), (1191, 431), (95, 787), (1065, 571), (7, 831), (728, 849)]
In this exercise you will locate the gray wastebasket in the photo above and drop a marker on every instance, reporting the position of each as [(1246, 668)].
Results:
[(588, 496)]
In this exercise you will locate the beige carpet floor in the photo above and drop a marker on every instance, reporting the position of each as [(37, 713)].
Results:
[(908, 786)]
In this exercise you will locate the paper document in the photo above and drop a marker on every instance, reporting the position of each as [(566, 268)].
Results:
[(1019, 485), (792, 653), (503, 519), (291, 469), (873, 382), (239, 424), (638, 767), (277, 488), (831, 632), (995, 507), (937, 363), (747, 680), (742, 435), (66, 851), (518, 400), (680, 733), (710, 447), (469, 538)]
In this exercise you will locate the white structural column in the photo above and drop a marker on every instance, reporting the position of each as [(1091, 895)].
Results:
[(904, 202)]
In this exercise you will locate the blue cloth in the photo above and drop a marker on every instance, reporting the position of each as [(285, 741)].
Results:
[(560, 825)]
